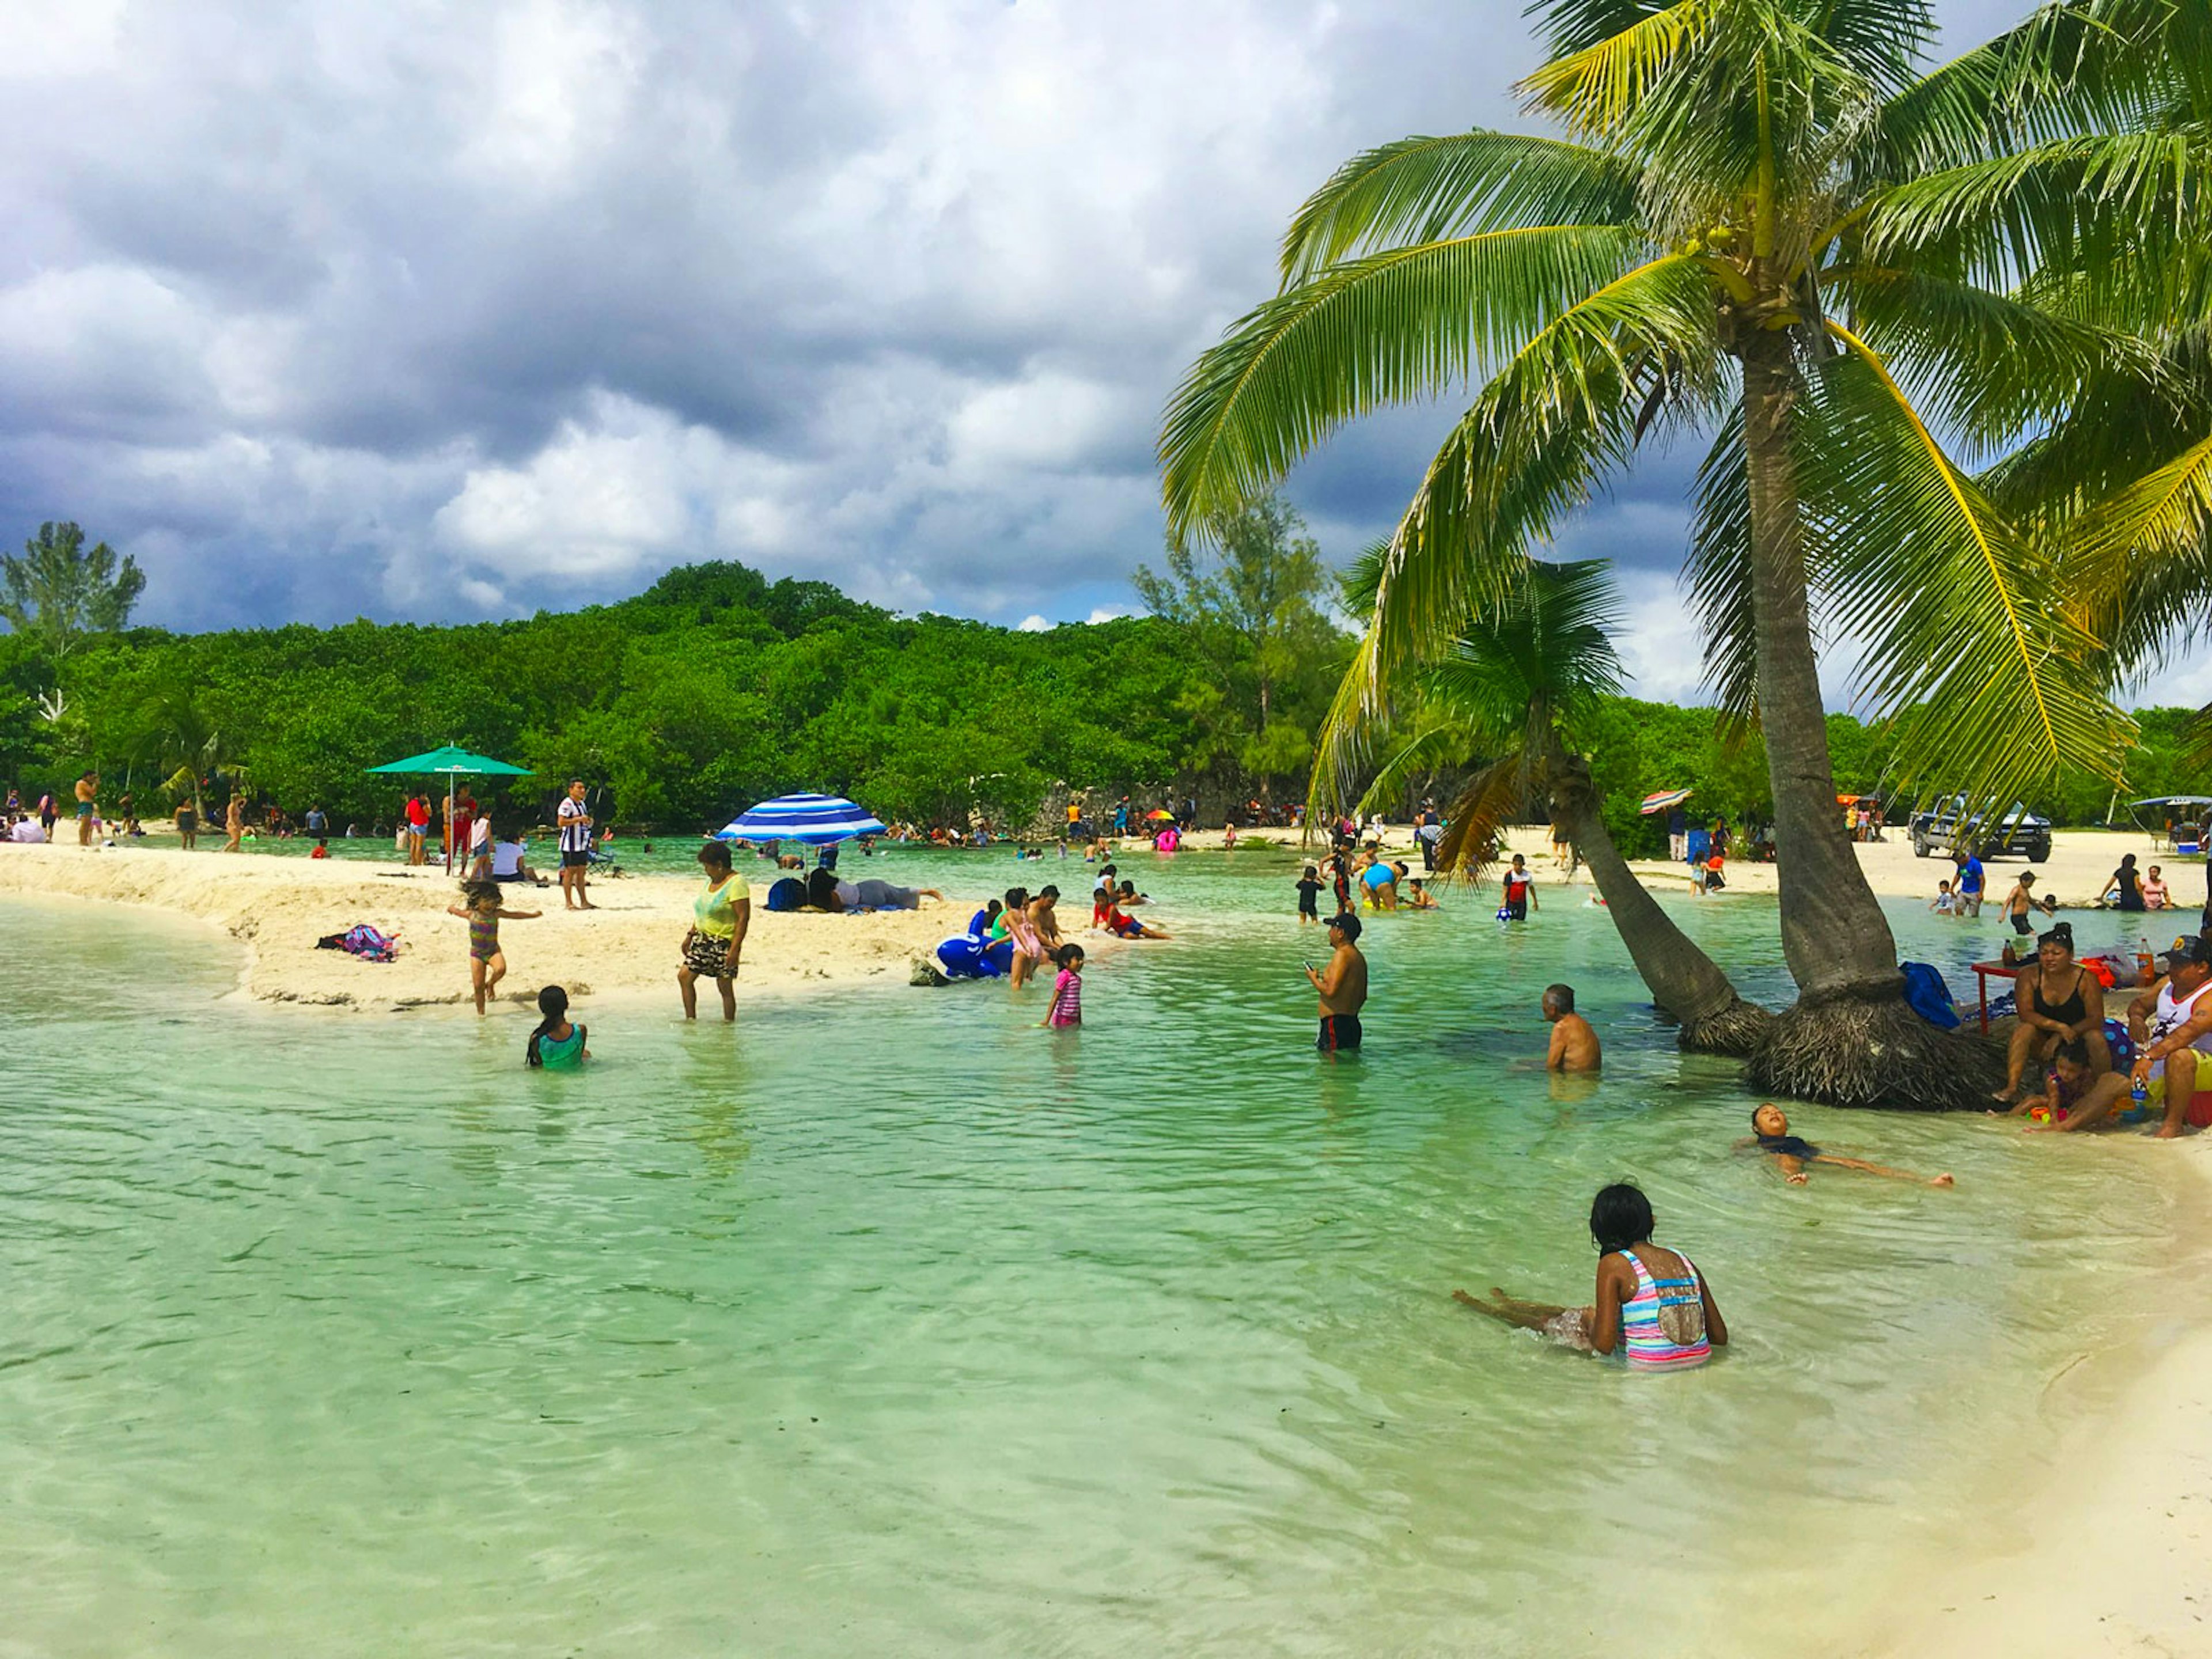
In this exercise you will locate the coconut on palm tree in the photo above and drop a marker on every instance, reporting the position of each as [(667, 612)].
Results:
[(1770, 229), (1517, 691)]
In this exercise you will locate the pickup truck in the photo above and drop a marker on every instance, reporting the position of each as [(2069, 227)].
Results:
[(1950, 826)]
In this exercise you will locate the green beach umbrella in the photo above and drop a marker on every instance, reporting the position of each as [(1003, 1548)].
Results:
[(450, 762)]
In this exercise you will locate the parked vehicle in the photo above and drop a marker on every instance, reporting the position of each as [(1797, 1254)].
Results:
[(1949, 825)]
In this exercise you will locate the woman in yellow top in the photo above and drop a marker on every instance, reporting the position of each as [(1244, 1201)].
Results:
[(720, 916)]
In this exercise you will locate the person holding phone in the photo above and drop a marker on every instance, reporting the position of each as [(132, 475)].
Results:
[(1342, 985)]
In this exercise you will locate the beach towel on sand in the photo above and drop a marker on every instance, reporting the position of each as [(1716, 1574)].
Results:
[(363, 941)]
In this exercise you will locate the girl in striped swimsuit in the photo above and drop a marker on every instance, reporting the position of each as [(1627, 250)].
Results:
[(1654, 1303), (1066, 1010)]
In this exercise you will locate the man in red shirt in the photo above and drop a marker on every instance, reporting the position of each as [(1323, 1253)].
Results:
[(465, 816)]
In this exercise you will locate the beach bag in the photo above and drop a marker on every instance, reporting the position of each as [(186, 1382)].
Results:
[(1927, 995), (363, 941), (787, 893)]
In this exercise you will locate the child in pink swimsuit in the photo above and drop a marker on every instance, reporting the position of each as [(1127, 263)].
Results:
[(1066, 1008)]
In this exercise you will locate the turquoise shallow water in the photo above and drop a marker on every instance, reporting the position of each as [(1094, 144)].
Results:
[(892, 1323)]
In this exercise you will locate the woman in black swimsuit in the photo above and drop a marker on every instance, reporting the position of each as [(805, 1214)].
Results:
[(2057, 1000), (2129, 885)]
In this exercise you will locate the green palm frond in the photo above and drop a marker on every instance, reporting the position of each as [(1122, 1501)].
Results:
[(2146, 558), (1961, 613), (2070, 205), (2068, 70), (1543, 656), (1882, 40), (2121, 426), (1985, 364), (1439, 743), (1392, 327), (1719, 578), (1479, 814), (1540, 437), (1433, 189), (1597, 90)]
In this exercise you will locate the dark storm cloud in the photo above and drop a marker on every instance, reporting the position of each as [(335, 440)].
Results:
[(431, 311)]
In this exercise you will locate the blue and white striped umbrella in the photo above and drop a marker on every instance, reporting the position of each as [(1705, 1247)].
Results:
[(811, 820)]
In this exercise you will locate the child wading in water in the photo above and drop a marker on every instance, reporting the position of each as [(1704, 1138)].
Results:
[(484, 912), (555, 1045), (1066, 1010), (1309, 898)]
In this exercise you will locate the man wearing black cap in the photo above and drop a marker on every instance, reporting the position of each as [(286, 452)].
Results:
[(1342, 985)]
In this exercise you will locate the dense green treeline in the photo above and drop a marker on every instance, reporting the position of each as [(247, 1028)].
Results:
[(711, 689), (716, 687)]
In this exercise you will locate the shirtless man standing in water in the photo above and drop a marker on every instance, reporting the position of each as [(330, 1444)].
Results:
[(1574, 1043), (1342, 985)]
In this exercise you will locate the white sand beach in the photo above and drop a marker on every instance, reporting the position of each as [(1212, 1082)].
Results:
[(628, 946)]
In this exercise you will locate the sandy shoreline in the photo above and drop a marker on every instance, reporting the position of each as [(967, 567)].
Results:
[(2103, 1554), (627, 947), (2081, 862)]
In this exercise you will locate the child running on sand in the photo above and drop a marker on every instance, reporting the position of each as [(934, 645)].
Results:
[(1770, 1134), (1653, 1301), (555, 1045), (483, 912), (1066, 1010)]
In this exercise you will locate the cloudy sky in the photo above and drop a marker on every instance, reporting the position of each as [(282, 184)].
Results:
[(442, 311)]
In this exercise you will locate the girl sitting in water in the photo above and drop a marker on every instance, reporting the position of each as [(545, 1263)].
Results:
[(555, 1045), (1066, 1010), (483, 912), (1653, 1301), (1121, 924)]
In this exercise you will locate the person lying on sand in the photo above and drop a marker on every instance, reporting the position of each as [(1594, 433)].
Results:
[(1770, 1134), (1654, 1302)]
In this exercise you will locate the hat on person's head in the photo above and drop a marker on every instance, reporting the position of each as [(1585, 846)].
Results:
[(2189, 947), (1347, 924)]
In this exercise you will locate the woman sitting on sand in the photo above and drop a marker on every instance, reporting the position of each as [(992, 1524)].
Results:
[(2058, 1000), (1653, 1301)]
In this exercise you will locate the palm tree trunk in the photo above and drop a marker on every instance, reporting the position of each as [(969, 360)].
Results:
[(1851, 1039), (1834, 936), (1687, 984)]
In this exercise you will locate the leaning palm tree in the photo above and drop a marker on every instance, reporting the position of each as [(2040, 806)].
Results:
[(1518, 689), (1766, 223)]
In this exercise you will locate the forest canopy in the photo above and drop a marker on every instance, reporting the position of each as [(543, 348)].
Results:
[(716, 687)]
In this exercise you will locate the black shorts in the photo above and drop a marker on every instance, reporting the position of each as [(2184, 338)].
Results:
[(574, 861), (1307, 907), (1338, 1031), (2022, 925), (1517, 910)]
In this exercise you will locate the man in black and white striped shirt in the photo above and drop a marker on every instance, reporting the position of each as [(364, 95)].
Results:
[(575, 847)]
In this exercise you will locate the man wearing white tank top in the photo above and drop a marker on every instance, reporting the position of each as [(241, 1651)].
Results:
[(2179, 1031)]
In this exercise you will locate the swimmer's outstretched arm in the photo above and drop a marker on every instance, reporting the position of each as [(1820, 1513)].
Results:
[(1882, 1170)]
